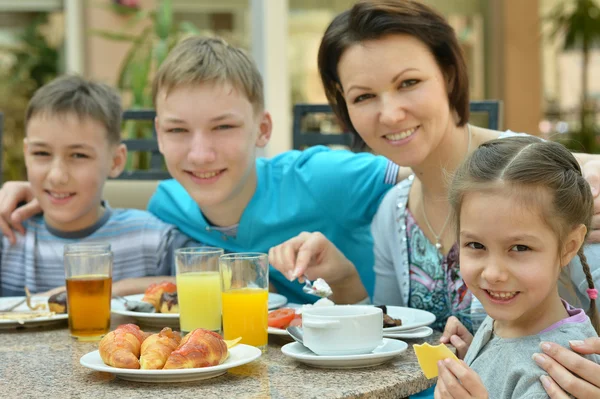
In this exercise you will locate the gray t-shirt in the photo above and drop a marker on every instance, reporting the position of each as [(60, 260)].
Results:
[(506, 366)]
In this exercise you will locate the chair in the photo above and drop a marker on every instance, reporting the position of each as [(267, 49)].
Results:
[(157, 170), (308, 132)]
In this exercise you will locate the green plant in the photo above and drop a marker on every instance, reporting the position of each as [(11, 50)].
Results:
[(157, 34), (579, 22), (34, 62)]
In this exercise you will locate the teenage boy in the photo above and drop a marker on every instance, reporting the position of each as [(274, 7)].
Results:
[(72, 145)]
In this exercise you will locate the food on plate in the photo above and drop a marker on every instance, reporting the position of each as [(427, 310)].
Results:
[(154, 293), (20, 317), (428, 356), (389, 321), (129, 347), (39, 306), (169, 303), (281, 318), (156, 349), (121, 347), (199, 348), (57, 303)]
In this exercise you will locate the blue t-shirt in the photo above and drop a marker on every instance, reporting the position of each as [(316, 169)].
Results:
[(332, 191)]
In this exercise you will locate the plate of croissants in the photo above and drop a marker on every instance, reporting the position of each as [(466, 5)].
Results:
[(163, 297), (133, 355)]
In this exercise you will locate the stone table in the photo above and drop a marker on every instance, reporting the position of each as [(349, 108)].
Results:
[(44, 363)]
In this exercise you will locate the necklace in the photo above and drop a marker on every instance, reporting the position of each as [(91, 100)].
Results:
[(438, 243)]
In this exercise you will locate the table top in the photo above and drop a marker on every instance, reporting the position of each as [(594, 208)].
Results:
[(44, 362)]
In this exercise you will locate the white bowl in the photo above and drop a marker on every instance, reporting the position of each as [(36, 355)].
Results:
[(342, 329)]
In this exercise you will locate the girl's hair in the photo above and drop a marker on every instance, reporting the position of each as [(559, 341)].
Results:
[(375, 19), (534, 165)]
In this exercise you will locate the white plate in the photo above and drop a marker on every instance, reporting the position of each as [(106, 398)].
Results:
[(171, 319), (238, 355), (29, 323), (411, 318), (420, 332), (389, 349)]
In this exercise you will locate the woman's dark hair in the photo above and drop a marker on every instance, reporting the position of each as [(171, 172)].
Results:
[(374, 19)]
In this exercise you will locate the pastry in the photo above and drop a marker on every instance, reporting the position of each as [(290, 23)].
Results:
[(57, 303), (157, 347), (121, 347), (154, 293), (169, 303), (199, 348)]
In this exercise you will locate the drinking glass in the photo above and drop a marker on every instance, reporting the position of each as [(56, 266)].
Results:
[(245, 279), (198, 288), (88, 271)]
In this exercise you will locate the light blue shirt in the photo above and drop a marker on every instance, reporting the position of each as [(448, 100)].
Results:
[(332, 191)]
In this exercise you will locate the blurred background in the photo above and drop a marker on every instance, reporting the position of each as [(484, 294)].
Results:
[(541, 58)]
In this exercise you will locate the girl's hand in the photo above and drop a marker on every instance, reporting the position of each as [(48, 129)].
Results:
[(456, 334), (568, 371), (458, 381)]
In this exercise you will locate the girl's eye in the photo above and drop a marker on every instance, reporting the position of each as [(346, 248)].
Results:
[(79, 155), (41, 153), (408, 83), (520, 248), (362, 97), (176, 130), (475, 245)]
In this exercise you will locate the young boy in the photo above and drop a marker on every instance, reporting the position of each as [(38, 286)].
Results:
[(72, 145), (210, 119)]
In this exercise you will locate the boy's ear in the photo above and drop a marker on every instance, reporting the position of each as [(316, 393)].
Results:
[(118, 161), (264, 129), (573, 242)]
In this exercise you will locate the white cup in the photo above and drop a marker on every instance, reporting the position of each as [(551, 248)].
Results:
[(342, 330)]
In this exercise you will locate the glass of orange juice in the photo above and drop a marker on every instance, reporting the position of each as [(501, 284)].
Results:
[(245, 279), (88, 271), (198, 288)]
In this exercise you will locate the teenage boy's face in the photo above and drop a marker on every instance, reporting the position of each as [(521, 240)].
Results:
[(68, 160), (208, 134)]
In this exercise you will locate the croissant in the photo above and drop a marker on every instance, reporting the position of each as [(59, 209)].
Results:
[(121, 347), (157, 348), (199, 348), (154, 293)]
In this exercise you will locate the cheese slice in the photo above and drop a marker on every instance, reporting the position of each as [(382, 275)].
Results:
[(428, 356)]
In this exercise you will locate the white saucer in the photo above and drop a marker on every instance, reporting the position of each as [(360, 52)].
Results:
[(389, 349), (238, 355)]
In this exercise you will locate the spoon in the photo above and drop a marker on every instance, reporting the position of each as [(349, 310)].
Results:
[(136, 306), (296, 333)]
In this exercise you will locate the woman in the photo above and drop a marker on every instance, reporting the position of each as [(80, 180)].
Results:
[(395, 76)]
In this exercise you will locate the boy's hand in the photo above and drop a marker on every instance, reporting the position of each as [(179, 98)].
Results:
[(456, 334), (458, 381), (11, 217), (569, 371), (313, 255)]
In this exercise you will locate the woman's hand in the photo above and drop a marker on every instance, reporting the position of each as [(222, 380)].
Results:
[(313, 255), (569, 372), (456, 380), (456, 334), (11, 217)]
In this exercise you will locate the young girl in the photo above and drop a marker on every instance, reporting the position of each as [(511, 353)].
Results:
[(522, 210)]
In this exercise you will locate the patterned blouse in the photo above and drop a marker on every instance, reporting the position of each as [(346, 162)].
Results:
[(439, 290)]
